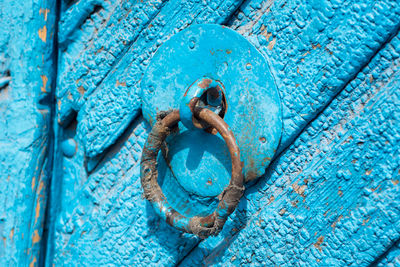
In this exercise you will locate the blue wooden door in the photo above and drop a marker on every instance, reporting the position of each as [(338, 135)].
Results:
[(72, 192)]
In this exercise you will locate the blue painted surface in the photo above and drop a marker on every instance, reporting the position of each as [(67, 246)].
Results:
[(27, 75), (203, 88), (251, 101), (332, 198), (329, 198)]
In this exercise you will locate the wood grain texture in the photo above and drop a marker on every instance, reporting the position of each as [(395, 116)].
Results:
[(316, 50), (390, 258), (333, 197), (27, 74), (104, 85), (93, 47), (85, 195)]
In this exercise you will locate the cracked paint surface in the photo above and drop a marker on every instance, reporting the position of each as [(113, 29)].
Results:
[(331, 61), (331, 197), (27, 74)]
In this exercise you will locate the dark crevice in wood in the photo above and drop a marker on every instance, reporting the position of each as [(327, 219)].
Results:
[(5, 79), (282, 149), (101, 158), (228, 19), (381, 257), (48, 234)]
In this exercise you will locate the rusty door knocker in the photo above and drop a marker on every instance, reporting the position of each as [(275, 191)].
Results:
[(209, 77), (228, 199)]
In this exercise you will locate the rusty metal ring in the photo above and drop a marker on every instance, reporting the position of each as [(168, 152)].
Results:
[(228, 199)]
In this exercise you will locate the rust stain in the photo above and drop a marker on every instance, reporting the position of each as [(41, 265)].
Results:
[(395, 182), (81, 90), (228, 51), (12, 234), (376, 188), (44, 82), (368, 172), (33, 262), (267, 34), (43, 33), (120, 84), (365, 221), (319, 242), (316, 46), (44, 11), (69, 96), (36, 237), (99, 50), (299, 189), (204, 83), (282, 211), (371, 79), (338, 220), (340, 192), (37, 210), (41, 185), (33, 182), (271, 199), (271, 44), (329, 51)]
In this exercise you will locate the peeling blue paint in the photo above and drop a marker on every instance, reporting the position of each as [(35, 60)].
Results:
[(329, 198), (314, 49), (27, 75)]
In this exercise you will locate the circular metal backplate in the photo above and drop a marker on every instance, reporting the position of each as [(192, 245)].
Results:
[(200, 161)]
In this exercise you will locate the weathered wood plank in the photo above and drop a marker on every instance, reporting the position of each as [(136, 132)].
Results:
[(132, 232), (324, 45), (27, 76), (315, 48), (109, 106), (93, 47), (333, 197), (390, 258), (107, 221), (107, 112)]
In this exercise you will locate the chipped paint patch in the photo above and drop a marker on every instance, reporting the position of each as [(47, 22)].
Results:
[(271, 44), (44, 82), (43, 33), (319, 242), (44, 11), (36, 237)]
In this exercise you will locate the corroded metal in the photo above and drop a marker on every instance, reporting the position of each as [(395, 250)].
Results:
[(198, 59), (228, 199)]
